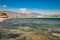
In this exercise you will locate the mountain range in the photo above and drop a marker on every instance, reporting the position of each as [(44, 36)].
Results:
[(29, 15), (16, 14)]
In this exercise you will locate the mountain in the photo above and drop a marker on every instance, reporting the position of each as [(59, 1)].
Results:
[(20, 15), (29, 15), (35, 14), (9, 13), (56, 15)]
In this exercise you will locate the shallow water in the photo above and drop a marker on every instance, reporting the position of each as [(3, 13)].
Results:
[(35, 22)]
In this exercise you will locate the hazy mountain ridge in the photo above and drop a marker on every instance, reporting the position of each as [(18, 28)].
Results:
[(16, 14), (29, 15), (56, 15)]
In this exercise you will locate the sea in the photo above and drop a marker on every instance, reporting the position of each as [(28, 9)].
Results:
[(14, 23)]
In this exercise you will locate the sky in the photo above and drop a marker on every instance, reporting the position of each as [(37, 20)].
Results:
[(40, 6)]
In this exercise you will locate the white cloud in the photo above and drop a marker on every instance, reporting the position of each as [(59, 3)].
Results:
[(23, 10), (4, 5), (49, 12)]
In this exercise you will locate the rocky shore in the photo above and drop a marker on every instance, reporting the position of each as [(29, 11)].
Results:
[(3, 16)]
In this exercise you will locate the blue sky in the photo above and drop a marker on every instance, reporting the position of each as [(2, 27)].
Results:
[(31, 5)]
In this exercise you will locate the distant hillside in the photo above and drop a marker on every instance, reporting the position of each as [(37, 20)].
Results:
[(57, 15), (22, 15), (9, 13), (29, 15)]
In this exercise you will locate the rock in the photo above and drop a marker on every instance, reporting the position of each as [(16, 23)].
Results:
[(3, 16)]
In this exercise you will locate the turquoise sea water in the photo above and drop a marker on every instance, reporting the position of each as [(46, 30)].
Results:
[(35, 22)]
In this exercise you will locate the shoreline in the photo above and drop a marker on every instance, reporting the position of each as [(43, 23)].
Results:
[(2, 19), (35, 17)]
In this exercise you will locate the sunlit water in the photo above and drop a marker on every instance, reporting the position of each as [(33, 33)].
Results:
[(35, 22)]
